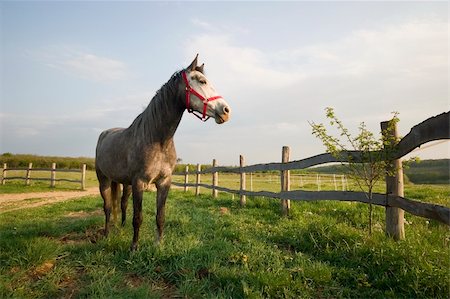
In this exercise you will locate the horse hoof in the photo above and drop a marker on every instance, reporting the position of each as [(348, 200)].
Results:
[(133, 247)]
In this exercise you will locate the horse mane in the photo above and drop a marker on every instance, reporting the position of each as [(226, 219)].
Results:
[(152, 122)]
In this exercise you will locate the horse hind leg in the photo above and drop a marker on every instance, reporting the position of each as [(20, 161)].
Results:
[(115, 193), (105, 192), (124, 202)]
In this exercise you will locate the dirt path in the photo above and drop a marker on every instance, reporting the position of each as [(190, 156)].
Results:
[(17, 201)]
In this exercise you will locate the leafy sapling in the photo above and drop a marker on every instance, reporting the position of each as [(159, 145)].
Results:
[(364, 157)]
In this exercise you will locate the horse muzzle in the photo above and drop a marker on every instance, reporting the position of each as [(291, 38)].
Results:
[(222, 114)]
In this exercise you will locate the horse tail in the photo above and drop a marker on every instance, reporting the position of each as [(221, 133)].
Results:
[(115, 198)]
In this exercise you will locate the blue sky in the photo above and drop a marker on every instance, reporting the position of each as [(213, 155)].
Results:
[(72, 69)]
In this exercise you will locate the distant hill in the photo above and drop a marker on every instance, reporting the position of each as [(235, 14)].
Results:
[(429, 172), (422, 172)]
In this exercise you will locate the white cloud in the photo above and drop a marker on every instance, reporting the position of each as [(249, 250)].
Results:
[(82, 63), (238, 66), (202, 24), (365, 75), (96, 68), (414, 49)]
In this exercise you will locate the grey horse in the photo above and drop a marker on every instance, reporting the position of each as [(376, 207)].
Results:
[(144, 153)]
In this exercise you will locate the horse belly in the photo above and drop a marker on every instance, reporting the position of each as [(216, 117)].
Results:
[(111, 156)]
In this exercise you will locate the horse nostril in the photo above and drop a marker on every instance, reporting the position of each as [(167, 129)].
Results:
[(226, 110)]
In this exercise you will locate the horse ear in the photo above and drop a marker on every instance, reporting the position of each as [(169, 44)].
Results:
[(200, 68), (193, 64)]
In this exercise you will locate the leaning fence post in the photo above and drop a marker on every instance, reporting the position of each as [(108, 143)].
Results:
[(285, 182), (394, 186), (215, 179), (243, 183), (28, 176), (83, 177), (197, 187), (53, 175), (186, 178), (5, 168)]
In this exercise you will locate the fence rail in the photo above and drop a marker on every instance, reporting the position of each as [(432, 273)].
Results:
[(434, 128), (53, 170)]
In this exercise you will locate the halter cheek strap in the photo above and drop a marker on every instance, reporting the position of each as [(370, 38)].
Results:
[(189, 91)]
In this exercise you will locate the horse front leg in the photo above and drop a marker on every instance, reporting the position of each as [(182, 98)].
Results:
[(163, 187), (137, 189)]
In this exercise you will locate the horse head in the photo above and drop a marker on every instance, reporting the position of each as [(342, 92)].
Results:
[(202, 97)]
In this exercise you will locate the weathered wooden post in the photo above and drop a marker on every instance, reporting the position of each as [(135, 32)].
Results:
[(285, 182), (197, 180), (215, 179), (186, 178), (28, 176), (395, 222), (4, 175), (53, 175), (243, 183), (83, 177), (251, 181)]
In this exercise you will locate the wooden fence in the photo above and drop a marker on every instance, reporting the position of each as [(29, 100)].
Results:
[(53, 170), (434, 128)]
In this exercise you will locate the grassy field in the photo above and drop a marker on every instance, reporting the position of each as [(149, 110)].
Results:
[(215, 249)]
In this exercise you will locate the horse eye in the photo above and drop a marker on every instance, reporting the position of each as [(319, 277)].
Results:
[(202, 81)]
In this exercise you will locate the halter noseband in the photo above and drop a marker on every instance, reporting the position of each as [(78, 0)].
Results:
[(189, 91)]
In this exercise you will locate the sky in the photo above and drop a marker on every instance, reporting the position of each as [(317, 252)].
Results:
[(69, 70)]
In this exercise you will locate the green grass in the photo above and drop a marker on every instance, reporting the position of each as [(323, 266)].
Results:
[(215, 249)]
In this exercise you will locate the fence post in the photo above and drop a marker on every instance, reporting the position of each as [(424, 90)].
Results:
[(186, 178), (53, 175), (318, 182), (197, 181), (243, 183), (83, 177), (28, 176), (343, 182), (251, 181), (334, 181), (395, 222), (5, 167), (215, 179), (285, 182)]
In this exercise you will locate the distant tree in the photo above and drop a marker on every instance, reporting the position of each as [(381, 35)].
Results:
[(373, 153)]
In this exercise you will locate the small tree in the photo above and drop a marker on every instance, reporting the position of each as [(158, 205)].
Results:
[(367, 159)]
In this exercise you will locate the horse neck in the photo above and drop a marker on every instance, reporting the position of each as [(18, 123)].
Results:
[(159, 121)]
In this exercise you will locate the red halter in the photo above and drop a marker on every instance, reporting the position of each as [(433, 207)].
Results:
[(190, 90)]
